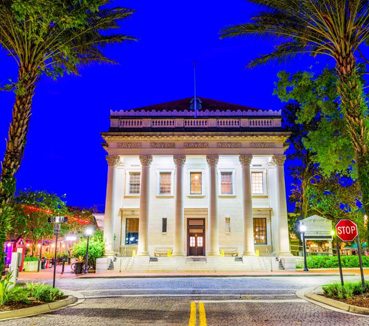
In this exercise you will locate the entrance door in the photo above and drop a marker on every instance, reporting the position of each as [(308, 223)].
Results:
[(196, 237)]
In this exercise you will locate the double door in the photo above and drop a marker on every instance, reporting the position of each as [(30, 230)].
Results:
[(196, 237)]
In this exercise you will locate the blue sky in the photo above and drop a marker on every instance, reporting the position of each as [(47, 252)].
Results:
[(64, 152)]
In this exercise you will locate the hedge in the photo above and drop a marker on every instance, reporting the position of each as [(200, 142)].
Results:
[(332, 261)]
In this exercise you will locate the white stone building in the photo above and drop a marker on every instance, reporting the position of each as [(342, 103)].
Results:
[(195, 178)]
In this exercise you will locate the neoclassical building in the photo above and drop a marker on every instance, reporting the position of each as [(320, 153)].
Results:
[(196, 177)]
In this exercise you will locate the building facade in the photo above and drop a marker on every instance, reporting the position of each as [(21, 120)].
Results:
[(196, 177)]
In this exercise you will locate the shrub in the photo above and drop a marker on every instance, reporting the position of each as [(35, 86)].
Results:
[(44, 292), (18, 294), (5, 287), (30, 258), (332, 261), (95, 249), (337, 291)]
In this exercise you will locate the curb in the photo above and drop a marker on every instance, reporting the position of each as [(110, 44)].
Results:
[(312, 296), (37, 310), (209, 275)]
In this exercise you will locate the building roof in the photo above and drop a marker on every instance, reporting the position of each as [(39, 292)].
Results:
[(195, 115), (186, 107)]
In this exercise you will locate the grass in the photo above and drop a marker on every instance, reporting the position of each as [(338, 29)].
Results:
[(348, 290)]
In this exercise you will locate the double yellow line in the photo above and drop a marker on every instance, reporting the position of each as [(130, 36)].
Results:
[(202, 314)]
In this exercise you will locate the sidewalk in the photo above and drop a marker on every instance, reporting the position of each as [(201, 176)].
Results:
[(48, 274)]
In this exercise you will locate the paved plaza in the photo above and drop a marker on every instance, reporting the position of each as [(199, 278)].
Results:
[(194, 301)]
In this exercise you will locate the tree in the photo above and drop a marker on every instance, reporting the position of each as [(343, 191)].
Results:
[(50, 37), (325, 170), (337, 29), (32, 210)]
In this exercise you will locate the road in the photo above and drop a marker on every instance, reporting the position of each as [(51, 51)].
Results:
[(194, 301)]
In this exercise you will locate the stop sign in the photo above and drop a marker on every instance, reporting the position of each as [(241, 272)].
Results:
[(346, 230)]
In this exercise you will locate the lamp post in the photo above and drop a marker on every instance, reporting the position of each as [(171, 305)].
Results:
[(302, 231), (88, 232), (56, 221)]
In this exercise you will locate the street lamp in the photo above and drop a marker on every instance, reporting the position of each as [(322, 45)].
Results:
[(302, 231), (88, 232)]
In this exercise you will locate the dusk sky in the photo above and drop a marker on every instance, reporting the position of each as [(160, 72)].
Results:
[(64, 153)]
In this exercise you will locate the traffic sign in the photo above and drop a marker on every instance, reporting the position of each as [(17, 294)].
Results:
[(346, 230)]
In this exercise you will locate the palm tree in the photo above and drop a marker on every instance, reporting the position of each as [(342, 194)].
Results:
[(49, 37), (336, 28)]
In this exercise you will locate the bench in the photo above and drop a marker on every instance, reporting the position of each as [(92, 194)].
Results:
[(163, 252), (229, 252)]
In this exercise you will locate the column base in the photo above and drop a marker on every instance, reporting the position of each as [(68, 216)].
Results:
[(284, 254), (249, 253), (178, 254)]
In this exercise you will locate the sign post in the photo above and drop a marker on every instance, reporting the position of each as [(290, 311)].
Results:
[(347, 231), (360, 261)]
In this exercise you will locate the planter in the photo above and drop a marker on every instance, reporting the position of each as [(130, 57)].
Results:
[(30, 266), (78, 268)]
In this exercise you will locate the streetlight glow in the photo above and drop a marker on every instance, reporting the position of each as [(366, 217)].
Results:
[(89, 231), (302, 228)]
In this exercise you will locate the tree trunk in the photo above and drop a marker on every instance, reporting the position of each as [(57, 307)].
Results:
[(350, 89), (16, 141)]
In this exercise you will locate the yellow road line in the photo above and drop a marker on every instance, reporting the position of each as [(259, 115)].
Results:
[(192, 321), (202, 314)]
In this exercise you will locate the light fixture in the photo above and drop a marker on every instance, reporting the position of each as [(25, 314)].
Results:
[(302, 228), (89, 231)]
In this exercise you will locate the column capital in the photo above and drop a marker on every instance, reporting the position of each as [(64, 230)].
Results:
[(279, 159), (245, 159), (145, 160), (179, 159), (212, 159), (113, 160)]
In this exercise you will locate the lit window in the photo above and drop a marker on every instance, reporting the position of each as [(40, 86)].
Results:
[(228, 224), (134, 183), (257, 183), (132, 231), (192, 242), (165, 187), (260, 232), (196, 183), (226, 183), (200, 241)]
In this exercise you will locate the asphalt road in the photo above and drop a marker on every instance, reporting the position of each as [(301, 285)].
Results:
[(194, 301)]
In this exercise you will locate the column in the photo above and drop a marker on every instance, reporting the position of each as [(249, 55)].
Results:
[(179, 161), (214, 234), (248, 222), (109, 213), (284, 243), (144, 205)]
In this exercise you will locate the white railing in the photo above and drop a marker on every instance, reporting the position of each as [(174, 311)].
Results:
[(261, 123), (166, 123), (196, 123), (228, 123)]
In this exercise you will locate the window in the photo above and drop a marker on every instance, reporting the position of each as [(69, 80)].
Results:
[(164, 224), (260, 232), (257, 183), (134, 183), (226, 183), (165, 183), (131, 231), (228, 224), (195, 183)]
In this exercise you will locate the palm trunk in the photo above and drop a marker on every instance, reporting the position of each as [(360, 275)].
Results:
[(350, 89), (16, 141)]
